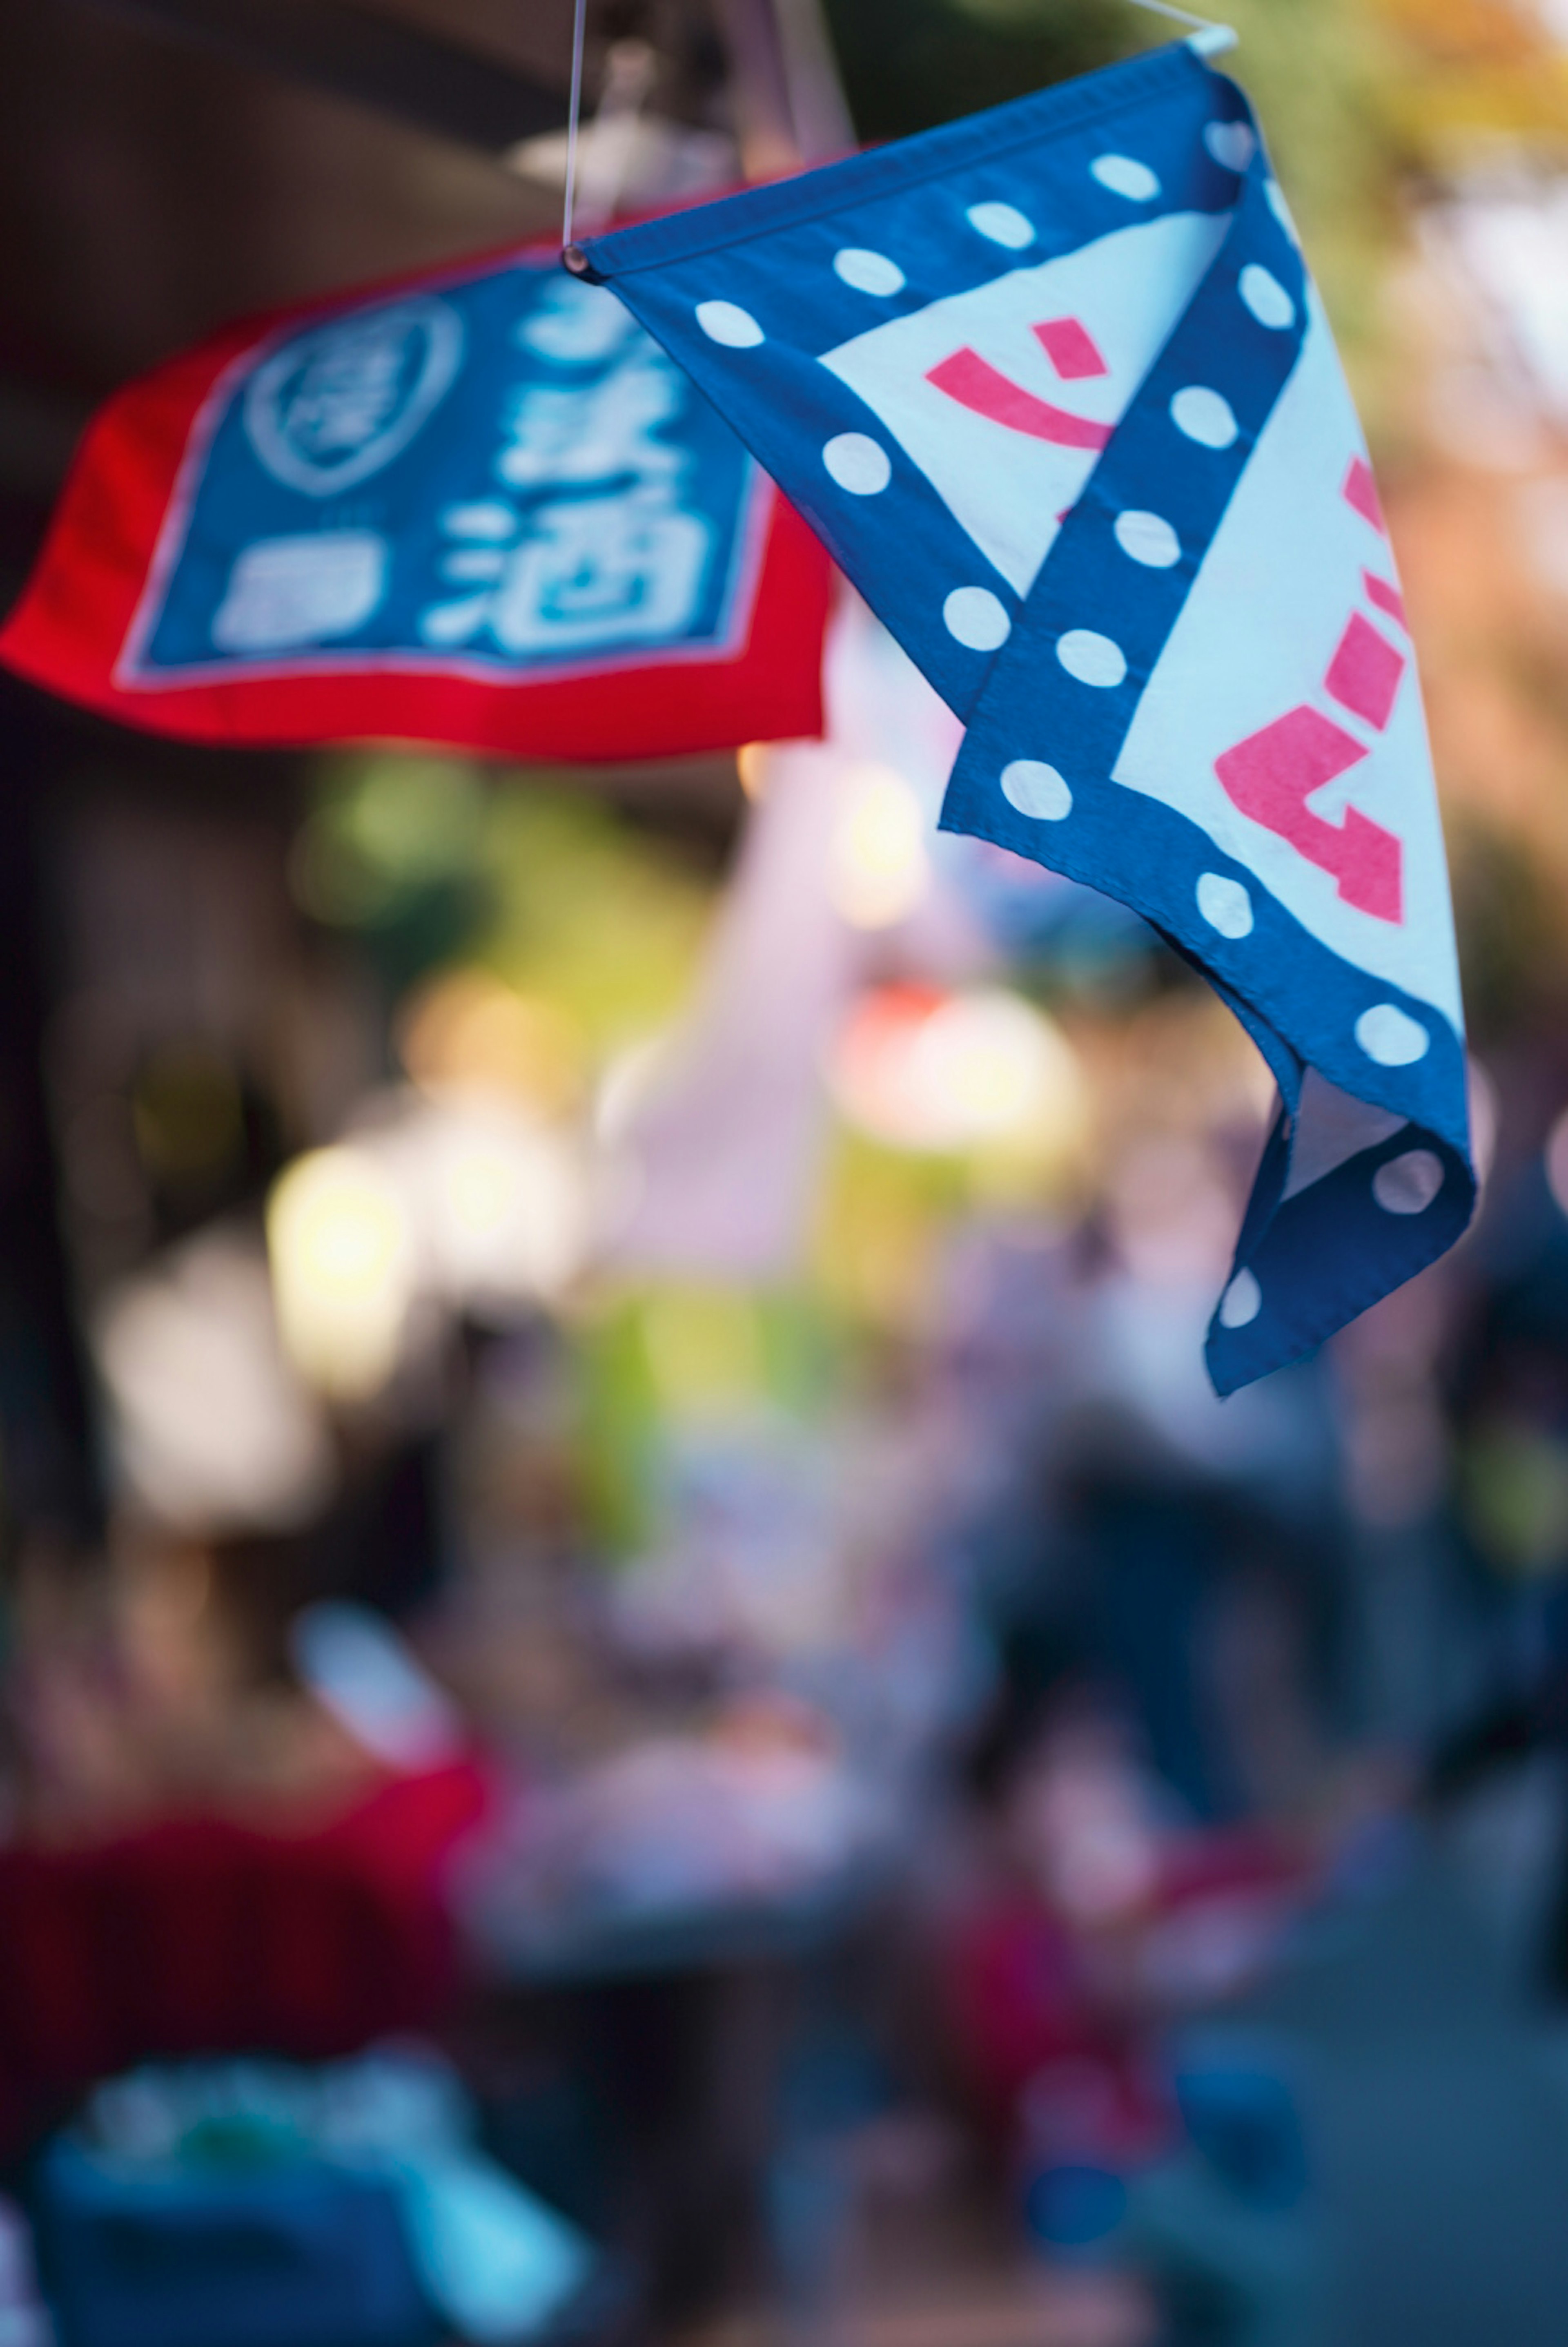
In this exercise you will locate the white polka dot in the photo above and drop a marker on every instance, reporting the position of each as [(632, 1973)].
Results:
[(977, 617), (1280, 208), (1407, 1185), (1125, 177), (1390, 1036), (1242, 1301), (1092, 659), (728, 323), (1148, 539), (1002, 224), (1231, 144), (1224, 905), (1036, 789), (1266, 297), (1204, 417), (869, 272), (858, 464)]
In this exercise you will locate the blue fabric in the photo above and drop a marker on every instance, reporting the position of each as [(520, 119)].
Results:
[(1055, 387), (307, 2254), (575, 502)]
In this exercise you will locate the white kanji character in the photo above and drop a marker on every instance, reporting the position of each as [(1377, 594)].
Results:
[(596, 431), (350, 387), (334, 405), (575, 323), (592, 571), (285, 593)]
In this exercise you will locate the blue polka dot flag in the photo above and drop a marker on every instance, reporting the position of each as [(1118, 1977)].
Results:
[(1055, 388)]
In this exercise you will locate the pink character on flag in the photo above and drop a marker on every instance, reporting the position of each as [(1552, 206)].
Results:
[(1272, 774)]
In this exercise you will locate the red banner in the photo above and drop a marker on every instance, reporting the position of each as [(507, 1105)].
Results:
[(481, 507)]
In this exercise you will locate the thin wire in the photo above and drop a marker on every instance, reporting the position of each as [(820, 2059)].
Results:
[(579, 27), (1182, 15)]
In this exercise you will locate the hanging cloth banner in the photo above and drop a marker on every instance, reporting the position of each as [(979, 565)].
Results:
[(482, 509), (1055, 387)]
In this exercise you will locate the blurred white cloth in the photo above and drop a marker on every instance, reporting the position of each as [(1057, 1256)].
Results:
[(210, 1429), (722, 1149)]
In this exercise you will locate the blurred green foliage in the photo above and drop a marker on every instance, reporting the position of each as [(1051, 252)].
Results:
[(1514, 1490), (430, 860), (671, 1356), (393, 850), (908, 64), (603, 920)]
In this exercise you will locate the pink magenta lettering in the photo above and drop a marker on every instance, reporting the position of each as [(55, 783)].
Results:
[(1360, 491), (1071, 349), (1386, 596), (985, 391), (1365, 671), (1272, 774)]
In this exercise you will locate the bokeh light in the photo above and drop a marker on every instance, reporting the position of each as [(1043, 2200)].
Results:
[(343, 1269), (464, 1029), (881, 868), (922, 1070)]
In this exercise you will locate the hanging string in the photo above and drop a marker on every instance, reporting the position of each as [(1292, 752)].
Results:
[(1211, 37), (573, 119), (1208, 37)]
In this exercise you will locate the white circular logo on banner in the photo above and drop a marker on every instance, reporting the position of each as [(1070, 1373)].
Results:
[(337, 403)]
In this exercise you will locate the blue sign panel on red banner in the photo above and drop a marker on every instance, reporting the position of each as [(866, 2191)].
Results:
[(496, 483), (511, 474), (1055, 387)]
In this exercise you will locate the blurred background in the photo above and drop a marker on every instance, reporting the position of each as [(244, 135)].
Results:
[(642, 1694)]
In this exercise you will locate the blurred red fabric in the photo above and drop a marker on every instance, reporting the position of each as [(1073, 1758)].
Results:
[(203, 1935)]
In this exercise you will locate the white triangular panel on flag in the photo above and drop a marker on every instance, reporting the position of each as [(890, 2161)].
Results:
[(1056, 390)]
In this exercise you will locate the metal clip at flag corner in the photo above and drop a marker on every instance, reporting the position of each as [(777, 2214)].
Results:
[(1055, 388)]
